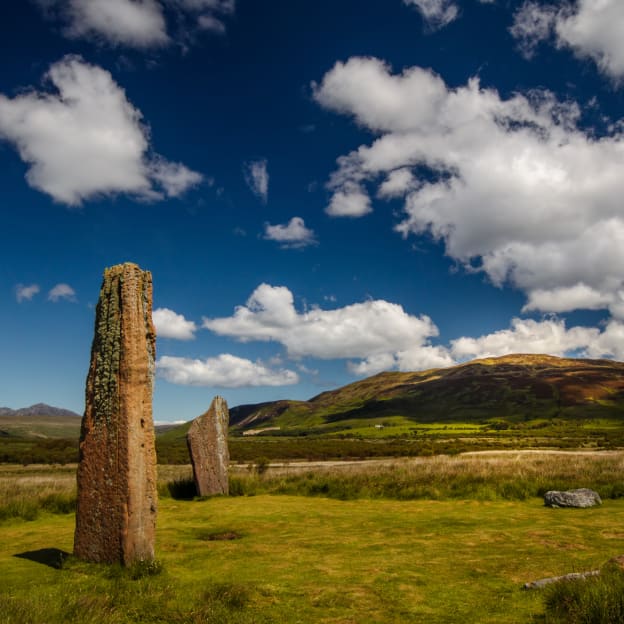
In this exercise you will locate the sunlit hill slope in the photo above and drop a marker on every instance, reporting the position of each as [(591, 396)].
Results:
[(502, 391)]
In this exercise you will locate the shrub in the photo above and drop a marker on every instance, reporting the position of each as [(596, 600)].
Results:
[(594, 600), (181, 489), (262, 465)]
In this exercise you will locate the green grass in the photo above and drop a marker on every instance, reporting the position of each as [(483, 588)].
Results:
[(302, 560), (314, 560), (40, 426)]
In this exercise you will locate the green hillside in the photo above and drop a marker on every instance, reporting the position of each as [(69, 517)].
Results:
[(517, 401), (39, 421), (498, 393)]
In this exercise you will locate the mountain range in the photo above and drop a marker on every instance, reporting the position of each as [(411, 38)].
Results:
[(39, 409), (39, 421), (500, 391), (510, 391)]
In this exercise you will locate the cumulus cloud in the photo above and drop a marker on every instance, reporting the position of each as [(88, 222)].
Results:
[(419, 357), (140, 24), (511, 186), (62, 291), (223, 371), (373, 364), (436, 13), (376, 331), (86, 139), (547, 336), (349, 200), (257, 178), (26, 293), (567, 299), (590, 28), (292, 235), (169, 324)]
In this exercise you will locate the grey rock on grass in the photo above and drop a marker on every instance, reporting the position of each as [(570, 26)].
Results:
[(583, 497)]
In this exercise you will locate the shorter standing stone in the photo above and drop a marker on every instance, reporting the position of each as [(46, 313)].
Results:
[(208, 447), (582, 497)]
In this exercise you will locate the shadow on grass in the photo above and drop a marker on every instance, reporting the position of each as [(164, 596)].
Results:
[(52, 557)]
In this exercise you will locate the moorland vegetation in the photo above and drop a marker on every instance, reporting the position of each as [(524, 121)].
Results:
[(293, 545)]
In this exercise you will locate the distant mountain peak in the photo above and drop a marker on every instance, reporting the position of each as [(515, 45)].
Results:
[(39, 409)]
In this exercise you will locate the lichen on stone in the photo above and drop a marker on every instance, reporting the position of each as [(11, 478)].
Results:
[(107, 349)]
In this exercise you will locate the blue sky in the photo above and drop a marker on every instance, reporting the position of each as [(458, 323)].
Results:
[(322, 190)]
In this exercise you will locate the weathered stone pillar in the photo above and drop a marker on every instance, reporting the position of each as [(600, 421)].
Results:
[(208, 447), (117, 497)]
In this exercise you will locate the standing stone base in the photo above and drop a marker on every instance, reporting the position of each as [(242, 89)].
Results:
[(117, 497), (208, 448)]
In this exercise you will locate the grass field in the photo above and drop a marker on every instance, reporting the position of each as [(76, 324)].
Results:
[(302, 559)]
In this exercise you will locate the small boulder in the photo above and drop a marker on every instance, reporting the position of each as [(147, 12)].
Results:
[(583, 497)]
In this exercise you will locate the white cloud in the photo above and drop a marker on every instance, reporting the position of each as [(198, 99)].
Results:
[(577, 297), (224, 371), (525, 336), (62, 291), (26, 293), (596, 30), (138, 24), (436, 13), (610, 342), (257, 178), (349, 200), (398, 183), (365, 88), (511, 186), (377, 335), (533, 23), (174, 178), (419, 357), (424, 357), (373, 364), (591, 28), (547, 336), (292, 235), (169, 324), (87, 139), (376, 331)]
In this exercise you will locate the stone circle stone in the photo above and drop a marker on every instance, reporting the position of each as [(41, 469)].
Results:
[(208, 447), (117, 496)]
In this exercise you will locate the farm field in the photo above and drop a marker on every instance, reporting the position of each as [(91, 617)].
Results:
[(308, 559)]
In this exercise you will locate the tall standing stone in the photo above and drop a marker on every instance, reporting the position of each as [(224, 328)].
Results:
[(117, 497), (208, 448)]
